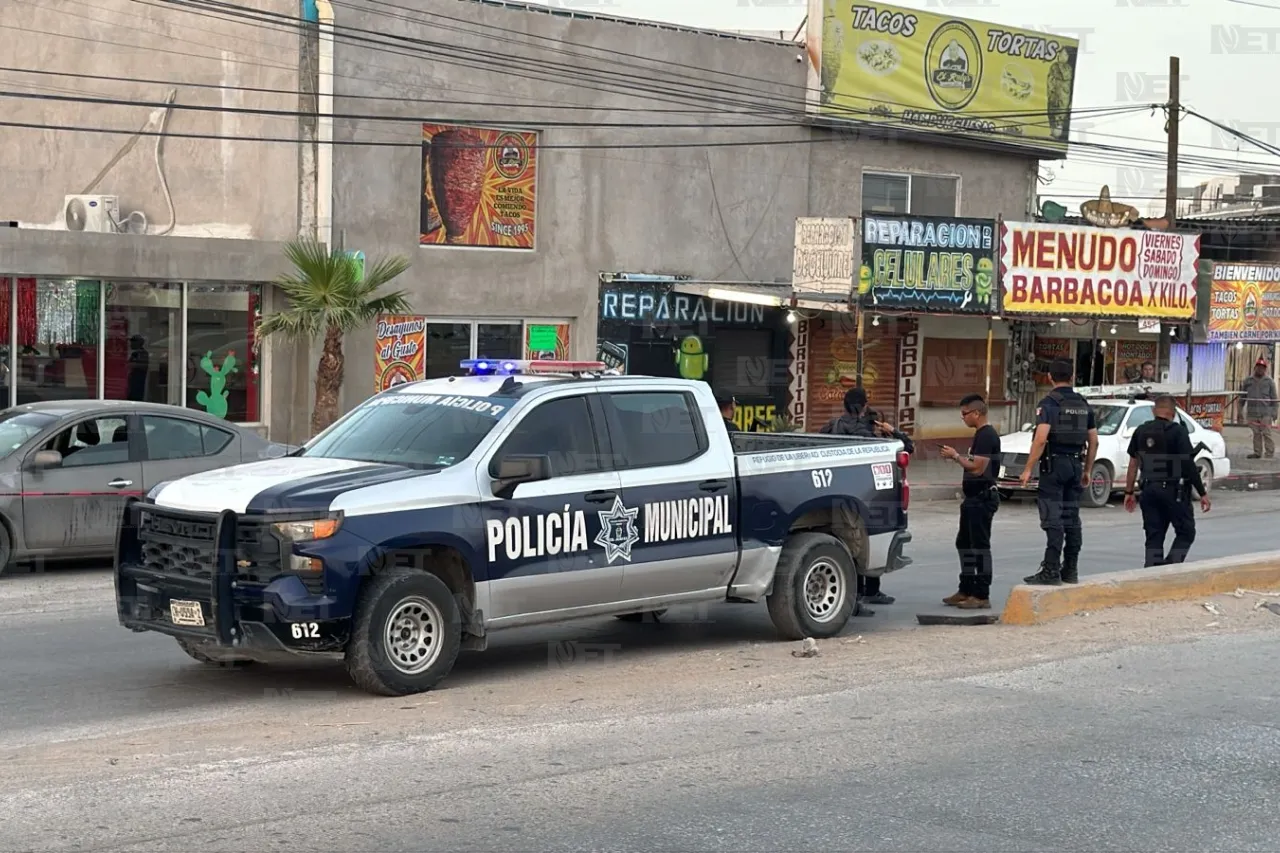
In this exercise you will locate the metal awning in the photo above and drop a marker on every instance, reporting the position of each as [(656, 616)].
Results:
[(762, 293)]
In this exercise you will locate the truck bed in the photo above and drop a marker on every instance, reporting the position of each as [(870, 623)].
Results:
[(777, 442)]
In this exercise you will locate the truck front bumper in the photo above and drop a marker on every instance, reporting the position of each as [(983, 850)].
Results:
[(200, 577)]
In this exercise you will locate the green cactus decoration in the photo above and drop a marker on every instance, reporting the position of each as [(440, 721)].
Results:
[(215, 402)]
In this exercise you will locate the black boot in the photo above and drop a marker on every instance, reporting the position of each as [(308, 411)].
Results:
[(1070, 573), (1047, 576)]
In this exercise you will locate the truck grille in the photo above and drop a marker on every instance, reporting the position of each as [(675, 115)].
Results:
[(1015, 462), (180, 545)]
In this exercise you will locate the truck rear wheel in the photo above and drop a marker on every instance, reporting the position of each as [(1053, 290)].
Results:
[(406, 634), (814, 588)]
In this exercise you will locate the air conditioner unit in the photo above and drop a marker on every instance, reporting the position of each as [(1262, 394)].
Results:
[(91, 213)]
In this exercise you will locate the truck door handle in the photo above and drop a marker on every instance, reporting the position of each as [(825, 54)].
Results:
[(118, 483), (713, 485), (600, 497)]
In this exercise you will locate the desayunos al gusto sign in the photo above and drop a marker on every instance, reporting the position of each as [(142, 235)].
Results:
[(1074, 270)]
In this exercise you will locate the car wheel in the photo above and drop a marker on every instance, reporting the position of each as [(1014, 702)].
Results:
[(1100, 486), (1206, 473), (406, 635), (6, 549), (814, 588)]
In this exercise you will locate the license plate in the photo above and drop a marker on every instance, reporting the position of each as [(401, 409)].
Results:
[(186, 613)]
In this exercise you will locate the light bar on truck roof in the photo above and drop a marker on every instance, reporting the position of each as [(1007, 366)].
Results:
[(517, 367)]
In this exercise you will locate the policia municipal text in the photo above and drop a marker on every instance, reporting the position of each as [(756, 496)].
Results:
[(1162, 449), (1064, 427)]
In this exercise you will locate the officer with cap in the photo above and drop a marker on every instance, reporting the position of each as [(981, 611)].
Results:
[(728, 408), (1064, 427), (1162, 449)]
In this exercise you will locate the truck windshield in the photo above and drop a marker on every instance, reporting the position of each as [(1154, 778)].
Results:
[(1109, 418), (17, 428), (415, 430)]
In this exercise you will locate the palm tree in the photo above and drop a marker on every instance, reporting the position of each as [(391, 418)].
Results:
[(326, 296)]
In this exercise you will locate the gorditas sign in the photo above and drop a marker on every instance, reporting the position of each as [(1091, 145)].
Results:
[(1075, 270)]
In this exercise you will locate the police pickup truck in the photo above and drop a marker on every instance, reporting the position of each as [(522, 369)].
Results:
[(438, 512)]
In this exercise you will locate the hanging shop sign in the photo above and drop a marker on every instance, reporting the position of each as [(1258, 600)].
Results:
[(1078, 271), (823, 258), (929, 264), (400, 347), (1244, 303), (1209, 410)]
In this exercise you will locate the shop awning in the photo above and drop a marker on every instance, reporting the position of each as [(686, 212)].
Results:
[(773, 295)]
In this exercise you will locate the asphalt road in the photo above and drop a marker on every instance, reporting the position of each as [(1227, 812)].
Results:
[(1147, 748), (68, 666)]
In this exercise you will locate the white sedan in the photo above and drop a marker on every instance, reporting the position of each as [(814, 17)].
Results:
[(1117, 418)]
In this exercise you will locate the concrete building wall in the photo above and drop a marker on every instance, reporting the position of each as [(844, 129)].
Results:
[(715, 213), (219, 188)]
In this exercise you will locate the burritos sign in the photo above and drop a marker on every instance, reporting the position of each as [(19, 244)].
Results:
[(1080, 271)]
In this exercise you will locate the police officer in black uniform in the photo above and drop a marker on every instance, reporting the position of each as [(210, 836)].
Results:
[(1065, 426), (728, 408), (1162, 449)]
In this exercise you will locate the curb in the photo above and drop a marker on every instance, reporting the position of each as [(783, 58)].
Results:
[(1035, 605)]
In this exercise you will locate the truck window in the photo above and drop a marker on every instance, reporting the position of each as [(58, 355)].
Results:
[(415, 430), (560, 429), (653, 428)]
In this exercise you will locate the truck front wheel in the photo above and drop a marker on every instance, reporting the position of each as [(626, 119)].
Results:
[(814, 588), (406, 634)]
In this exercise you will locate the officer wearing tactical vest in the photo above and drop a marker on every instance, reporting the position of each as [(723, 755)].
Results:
[(1064, 428), (1162, 449)]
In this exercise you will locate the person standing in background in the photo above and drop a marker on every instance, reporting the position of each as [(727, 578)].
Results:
[(1065, 426), (728, 408), (1162, 449), (978, 510), (1259, 404)]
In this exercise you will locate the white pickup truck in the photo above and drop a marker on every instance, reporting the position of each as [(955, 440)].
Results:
[(438, 512)]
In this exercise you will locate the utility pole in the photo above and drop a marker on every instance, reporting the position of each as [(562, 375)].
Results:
[(1173, 109)]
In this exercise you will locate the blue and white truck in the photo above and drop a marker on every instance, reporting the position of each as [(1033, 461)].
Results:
[(522, 493)]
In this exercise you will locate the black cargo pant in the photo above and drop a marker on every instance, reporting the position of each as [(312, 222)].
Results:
[(1165, 505), (1059, 501), (973, 543)]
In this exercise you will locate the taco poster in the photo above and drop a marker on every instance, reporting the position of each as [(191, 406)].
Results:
[(400, 349), (479, 187)]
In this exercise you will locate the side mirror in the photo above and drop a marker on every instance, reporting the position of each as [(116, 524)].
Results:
[(514, 470), (1026, 427), (46, 459)]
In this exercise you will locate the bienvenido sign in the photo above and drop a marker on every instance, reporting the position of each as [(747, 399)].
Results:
[(1073, 270)]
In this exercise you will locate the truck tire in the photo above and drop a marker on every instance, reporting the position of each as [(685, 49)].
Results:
[(814, 588), (406, 634), (6, 549), (1098, 494), (193, 650)]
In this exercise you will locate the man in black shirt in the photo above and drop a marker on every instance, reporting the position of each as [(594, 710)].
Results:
[(1162, 449), (973, 541)]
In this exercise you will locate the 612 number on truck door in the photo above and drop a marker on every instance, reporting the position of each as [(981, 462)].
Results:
[(822, 478)]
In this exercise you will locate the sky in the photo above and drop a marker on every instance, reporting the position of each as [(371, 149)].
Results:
[(1230, 61)]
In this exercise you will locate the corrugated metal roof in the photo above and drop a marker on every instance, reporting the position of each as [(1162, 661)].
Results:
[(634, 22)]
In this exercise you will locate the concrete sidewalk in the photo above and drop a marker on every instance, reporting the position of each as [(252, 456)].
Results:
[(935, 479)]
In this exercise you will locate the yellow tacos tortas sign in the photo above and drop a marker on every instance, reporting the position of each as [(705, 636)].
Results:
[(938, 74)]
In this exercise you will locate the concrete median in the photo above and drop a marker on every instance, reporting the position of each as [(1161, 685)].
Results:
[(1035, 605)]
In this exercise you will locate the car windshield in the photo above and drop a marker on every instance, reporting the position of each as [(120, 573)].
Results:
[(1109, 418), (415, 430), (17, 428)]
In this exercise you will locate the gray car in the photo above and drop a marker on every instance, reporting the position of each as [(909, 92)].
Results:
[(67, 467)]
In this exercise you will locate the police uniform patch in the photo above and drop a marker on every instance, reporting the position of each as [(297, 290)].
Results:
[(1151, 442)]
